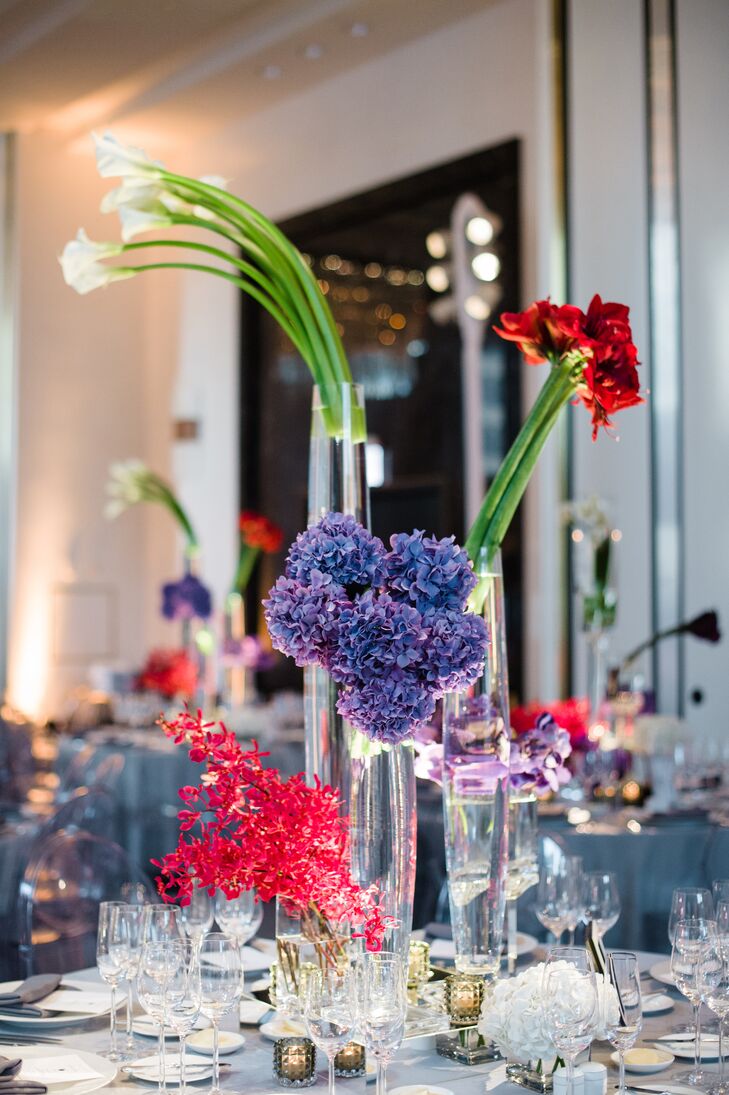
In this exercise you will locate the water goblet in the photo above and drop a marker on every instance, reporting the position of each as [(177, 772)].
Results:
[(159, 966), (713, 983), (110, 942), (691, 938), (161, 924), (623, 1019), (601, 901), (239, 916), (569, 1003), (196, 918), (221, 986), (184, 1002), (382, 997), (689, 903), (329, 1013)]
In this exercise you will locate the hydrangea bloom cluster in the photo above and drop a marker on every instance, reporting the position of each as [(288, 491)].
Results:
[(244, 826), (391, 627), (186, 599)]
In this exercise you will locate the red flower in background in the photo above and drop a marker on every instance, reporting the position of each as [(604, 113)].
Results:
[(244, 827), (169, 672), (571, 715), (259, 532), (544, 332)]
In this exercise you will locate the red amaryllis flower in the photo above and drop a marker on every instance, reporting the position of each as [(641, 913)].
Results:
[(544, 332), (610, 379), (258, 531), (169, 672)]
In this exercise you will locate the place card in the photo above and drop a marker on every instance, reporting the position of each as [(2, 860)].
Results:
[(77, 1002), (61, 1069)]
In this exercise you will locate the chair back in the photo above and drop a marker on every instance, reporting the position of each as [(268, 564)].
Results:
[(92, 809), (67, 877), (91, 767)]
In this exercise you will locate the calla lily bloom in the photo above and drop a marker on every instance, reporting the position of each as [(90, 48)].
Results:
[(114, 158), (83, 265)]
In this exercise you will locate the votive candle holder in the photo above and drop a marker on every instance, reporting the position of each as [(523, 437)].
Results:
[(350, 1061), (294, 1062), (464, 993)]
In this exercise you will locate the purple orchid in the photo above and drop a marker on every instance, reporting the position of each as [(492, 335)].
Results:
[(538, 758), (186, 600)]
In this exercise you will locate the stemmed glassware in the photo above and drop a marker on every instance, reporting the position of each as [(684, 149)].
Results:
[(382, 999), (623, 1020), (329, 1012), (196, 918), (111, 941), (601, 901), (551, 906), (689, 903), (691, 940), (161, 924), (127, 950), (569, 1002), (713, 983), (720, 890), (221, 986), (722, 927), (573, 894), (185, 1001), (239, 916), (158, 986)]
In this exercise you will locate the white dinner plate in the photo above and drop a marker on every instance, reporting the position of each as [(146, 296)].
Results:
[(421, 1089), (646, 1069), (61, 1018), (445, 948), (106, 1070), (147, 1069), (282, 1028), (229, 1041), (149, 1028), (252, 1011), (661, 971), (685, 1050), (656, 1002)]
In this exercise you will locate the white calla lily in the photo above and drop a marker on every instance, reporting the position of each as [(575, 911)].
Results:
[(131, 191), (114, 158), (136, 221), (83, 266)]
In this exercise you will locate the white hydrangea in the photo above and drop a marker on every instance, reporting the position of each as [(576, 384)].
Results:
[(513, 1016)]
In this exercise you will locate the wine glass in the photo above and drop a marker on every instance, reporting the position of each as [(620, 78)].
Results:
[(691, 938), (110, 942), (196, 918), (569, 1003), (128, 953), (713, 981), (239, 916), (551, 907), (221, 986), (184, 1001), (601, 901), (157, 986), (329, 1012), (383, 1000), (623, 1019), (573, 894), (689, 903), (161, 924), (720, 890), (722, 927)]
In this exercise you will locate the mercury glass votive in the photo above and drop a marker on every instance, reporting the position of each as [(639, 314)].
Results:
[(464, 993), (294, 1062), (418, 963), (350, 1061)]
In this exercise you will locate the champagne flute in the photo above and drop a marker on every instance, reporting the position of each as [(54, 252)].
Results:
[(159, 965), (196, 918), (713, 978), (131, 916), (239, 916), (689, 903), (329, 1012), (569, 1002), (691, 938), (383, 1000), (184, 1007), (221, 986), (623, 1019), (109, 948), (601, 901), (573, 894)]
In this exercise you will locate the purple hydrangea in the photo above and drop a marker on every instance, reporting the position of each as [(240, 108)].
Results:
[(538, 758), (431, 574), (457, 643), (303, 620), (186, 599), (377, 636), (339, 546), (387, 709)]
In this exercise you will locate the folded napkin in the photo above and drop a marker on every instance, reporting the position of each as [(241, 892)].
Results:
[(11, 1084), (35, 988)]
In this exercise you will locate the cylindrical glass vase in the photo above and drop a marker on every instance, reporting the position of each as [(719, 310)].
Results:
[(337, 483), (383, 831), (476, 796), (523, 868)]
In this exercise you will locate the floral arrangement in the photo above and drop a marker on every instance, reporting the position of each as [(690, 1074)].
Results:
[(536, 758), (514, 1016), (391, 627), (592, 359), (571, 715), (243, 826), (170, 672), (247, 652), (590, 518), (132, 482), (187, 599), (257, 534)]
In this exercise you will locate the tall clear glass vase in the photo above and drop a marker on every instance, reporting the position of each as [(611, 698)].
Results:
[(383, 830), (476, 795)]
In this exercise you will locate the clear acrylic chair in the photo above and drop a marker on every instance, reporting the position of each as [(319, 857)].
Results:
[(91, 767), (67, 877), (92, 809)]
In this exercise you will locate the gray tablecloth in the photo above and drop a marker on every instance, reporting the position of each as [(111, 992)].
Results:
[(415, 1063)]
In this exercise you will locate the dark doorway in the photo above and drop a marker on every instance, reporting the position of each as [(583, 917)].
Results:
[(369, 253)]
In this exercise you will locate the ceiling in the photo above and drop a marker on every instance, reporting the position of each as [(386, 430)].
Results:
[(189, 67)]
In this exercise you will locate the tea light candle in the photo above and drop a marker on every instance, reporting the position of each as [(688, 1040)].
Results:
[(350, 1061), (418, 963), (294, 1062), (464, 994)]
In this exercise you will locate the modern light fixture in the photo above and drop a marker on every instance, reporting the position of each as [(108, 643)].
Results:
[(437, 278), (486, 265), (476, 307), (436, 244), (481, 230)]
